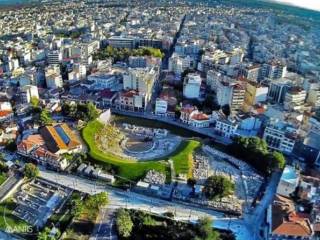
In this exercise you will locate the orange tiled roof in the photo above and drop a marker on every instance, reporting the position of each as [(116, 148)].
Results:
[(285, 221), (4, 113), (42, 152), (31, 141), (200, 116), (55, 141)]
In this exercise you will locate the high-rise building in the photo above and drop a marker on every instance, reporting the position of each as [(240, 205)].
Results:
[(252, 73), (280, 136), (141, 80), (314, 97), (295, 99), (53, 77), (191, 86), (278, 89), (255, 93), (28, 92), (54, 57), (273, 70)]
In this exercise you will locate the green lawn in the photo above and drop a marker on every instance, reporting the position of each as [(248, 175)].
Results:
[(8, 220), (129, 169), (134, 170), (183, 159)]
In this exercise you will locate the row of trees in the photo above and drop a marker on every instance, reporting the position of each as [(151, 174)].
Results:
[(122, 54), (254, 150), (132, 224), (90, 206), (85, 112)]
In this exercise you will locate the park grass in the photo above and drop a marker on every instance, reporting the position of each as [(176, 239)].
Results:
[(134, 170), (183, 157), (8, 221)]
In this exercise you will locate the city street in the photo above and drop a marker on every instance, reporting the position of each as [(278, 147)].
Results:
[(123, 199), (106, 228)]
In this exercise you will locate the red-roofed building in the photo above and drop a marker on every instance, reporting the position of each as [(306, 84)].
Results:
[(131, 100), (108, 97), (34, 147), (5, 115), (285, 223), (191, 116)]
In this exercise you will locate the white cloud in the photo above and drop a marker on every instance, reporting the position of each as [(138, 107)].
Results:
[(311, 4)]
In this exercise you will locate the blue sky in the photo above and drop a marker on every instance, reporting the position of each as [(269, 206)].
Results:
[(310, 4)]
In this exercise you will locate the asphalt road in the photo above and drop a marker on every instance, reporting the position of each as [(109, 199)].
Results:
[(122, 199), (105, 229), (9, 184)]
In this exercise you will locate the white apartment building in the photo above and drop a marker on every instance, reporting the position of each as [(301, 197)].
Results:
[(178, 64), (273, 70), (141, 80), (103, 80), (54, 57), (29, 92), (54, 81), (13, 64), (231, 94), (280, 137), (227, 127), (295, 99), (215, 77), (53, 77), (161, 107), (191, 86), (314, 97), (252, 72)]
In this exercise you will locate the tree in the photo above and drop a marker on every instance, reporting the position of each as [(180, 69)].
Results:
[(77, 206), (46, 234), (98, 200), (45, 117), (31, 171), (124, 223), (276, 161), (191, 182), (217, 186), (69, 110), (92, 111), (177, 112), (226, 110), (205, 230), (254, 151), (11, 146)]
